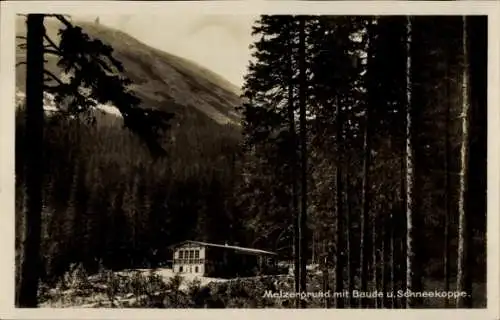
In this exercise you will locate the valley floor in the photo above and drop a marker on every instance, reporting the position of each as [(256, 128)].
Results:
[(162, 288)]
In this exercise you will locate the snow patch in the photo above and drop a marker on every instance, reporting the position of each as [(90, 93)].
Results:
[(50, 106), (167, 274)]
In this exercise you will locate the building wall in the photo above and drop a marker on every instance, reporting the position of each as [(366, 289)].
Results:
[(189, 258), (218, 262), (224, 263)]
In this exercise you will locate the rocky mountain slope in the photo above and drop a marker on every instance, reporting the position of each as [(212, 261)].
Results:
[(160, 79)]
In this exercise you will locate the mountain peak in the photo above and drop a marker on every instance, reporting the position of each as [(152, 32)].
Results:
[(162, 80)]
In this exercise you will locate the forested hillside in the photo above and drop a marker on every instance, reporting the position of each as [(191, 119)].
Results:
[(163, 81), (105, 199)]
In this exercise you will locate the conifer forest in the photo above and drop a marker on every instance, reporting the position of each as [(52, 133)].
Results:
[(356, 151)]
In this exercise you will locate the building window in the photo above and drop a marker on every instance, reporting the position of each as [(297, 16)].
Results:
[(196, 269), (180, 269), (188, 257), (191, 256)]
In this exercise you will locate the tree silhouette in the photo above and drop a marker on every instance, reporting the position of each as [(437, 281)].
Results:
[(93, 78), (302, 97), (464, 283), (26, 294), (396, 120)]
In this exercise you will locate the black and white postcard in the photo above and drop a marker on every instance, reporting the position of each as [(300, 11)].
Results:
[(179, 156)]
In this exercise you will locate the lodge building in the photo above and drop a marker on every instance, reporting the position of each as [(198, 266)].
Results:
[(220, 261)]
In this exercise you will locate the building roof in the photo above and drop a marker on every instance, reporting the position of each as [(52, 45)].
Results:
[(225, 246)]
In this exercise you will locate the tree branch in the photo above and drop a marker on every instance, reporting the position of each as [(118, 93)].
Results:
[(53, 76), (24, 62), (55, 15), (51, 42), (62, 18), (54, 52)]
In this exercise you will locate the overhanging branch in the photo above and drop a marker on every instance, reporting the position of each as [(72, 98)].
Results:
[(51, 42), (20, 63), (62, 18), (50, 51), (53, 76)]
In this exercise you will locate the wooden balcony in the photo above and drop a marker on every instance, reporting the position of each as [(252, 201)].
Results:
[(189, 261)]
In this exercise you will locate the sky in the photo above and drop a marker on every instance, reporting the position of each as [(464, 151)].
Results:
[(217, 42)]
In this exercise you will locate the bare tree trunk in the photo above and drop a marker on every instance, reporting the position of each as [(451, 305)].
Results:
[(303, 153), (447, 194), (391, 259), (374, 256), (409, 165), (293, 168), (349, 265), (365, 192), (26, 295), (402, 230), (384, 258), (313, 259), (463, 232), (326, 278), (339, 241)]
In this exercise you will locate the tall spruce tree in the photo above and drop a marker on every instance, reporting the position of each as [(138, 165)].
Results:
[(27, 290), (409, 166), (463, 277), (270, 110)]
